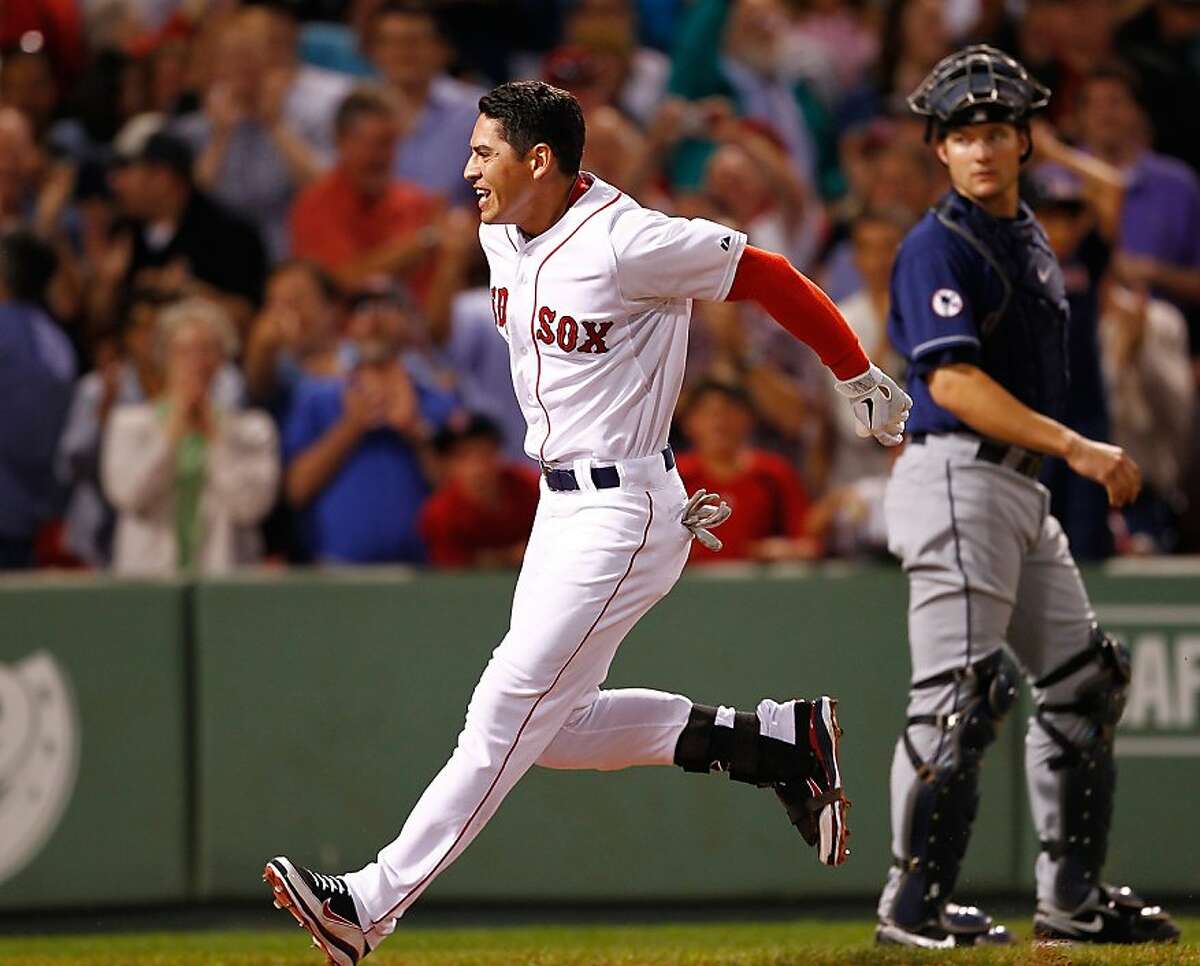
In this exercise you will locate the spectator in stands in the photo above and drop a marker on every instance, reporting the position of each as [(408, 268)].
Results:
[(619, 153), (1152, 401), (110, 92), (27, 84), (875, 235), (1160, 217), (602, 63), (19, 162), (463, 315), (848, 521), (755, 187), (1070, 222), (435, 112), (482, 511), (356, 448), (913, 37), (1159, 42), (295, 335), (36, 193), (888, 169), (248, 154), (37, 366), (173, 238), (768, 500), (190, 480), (356, 221), (311, 94), (734, 49), (127, 370)]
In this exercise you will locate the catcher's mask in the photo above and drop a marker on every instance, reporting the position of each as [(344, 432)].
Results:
[(976, 85)]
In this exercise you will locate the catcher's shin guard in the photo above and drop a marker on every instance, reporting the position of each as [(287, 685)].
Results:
[(1085, 768), (942, 803)]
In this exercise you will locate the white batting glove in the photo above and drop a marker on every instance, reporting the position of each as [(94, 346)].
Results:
[(880, 406), (704, 512)]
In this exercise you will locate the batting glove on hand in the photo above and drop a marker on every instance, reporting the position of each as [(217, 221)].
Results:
[(703, 512), (880, 406)]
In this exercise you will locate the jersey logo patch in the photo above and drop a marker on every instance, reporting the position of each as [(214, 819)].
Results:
[(946, 302), (725, 243), (567, 333)]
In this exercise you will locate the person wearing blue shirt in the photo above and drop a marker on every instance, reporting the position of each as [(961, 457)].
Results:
[(37, 368), (354, 448), (979, 309)]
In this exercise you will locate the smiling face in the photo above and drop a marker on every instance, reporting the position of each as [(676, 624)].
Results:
[(505, 184), (984, 161)]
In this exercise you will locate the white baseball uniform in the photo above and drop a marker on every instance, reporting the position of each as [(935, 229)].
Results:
[(595, 311)]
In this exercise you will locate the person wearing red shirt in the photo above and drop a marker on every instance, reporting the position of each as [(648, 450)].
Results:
[(356, 221), (766, 495), (481, 514)]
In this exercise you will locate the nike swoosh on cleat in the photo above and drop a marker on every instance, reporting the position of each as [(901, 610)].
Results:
[(1073, 925), (328, 913), (904, 938)]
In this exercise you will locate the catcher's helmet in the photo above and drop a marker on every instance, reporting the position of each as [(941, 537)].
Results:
[(977, 84)]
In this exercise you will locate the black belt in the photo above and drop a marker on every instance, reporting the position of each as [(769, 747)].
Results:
[(1027, 463), (603, 477)]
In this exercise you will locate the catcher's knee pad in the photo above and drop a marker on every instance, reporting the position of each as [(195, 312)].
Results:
[(1084, 767), (941, 805), (727, 741)]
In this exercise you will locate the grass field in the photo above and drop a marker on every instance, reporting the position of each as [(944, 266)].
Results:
[(803, 943)]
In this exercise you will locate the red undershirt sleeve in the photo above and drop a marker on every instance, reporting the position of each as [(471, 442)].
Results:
[(800, 307)]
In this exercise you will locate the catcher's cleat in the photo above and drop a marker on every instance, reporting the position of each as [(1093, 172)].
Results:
[(817, 805), (322, 904), (1113, 915), (954, 925)]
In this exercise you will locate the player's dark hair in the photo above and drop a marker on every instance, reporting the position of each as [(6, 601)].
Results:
[(364, 101), (533, 112)]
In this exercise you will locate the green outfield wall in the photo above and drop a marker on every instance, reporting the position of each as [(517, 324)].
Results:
[(220, 723)]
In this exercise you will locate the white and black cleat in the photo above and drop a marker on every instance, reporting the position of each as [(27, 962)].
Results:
[(322, 904), (953, 926), (817, 805), (1114, 914)]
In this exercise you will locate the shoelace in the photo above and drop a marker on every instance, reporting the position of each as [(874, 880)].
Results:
[(331, 883)]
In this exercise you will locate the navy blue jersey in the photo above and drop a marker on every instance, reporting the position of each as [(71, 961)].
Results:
[(970, 287)]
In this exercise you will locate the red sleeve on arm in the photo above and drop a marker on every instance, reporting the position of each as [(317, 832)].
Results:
[(800, 307)]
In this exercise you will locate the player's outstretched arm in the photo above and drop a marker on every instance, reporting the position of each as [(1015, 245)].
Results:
[(796, 303), (991, 410)]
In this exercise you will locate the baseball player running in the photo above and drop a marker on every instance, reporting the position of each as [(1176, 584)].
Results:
[(978, 308), (593, 294)]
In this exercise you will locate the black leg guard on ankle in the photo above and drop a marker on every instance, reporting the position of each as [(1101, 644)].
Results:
[(741, 750)]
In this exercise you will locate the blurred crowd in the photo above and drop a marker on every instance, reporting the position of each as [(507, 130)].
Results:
[(244, 315)]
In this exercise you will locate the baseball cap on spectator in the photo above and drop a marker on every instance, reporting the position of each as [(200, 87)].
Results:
[(168, 151), (143, 141), (1053, 186), (477, 426), (131, 139)]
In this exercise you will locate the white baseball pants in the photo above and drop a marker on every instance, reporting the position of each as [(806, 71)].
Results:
[(597, 560)]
